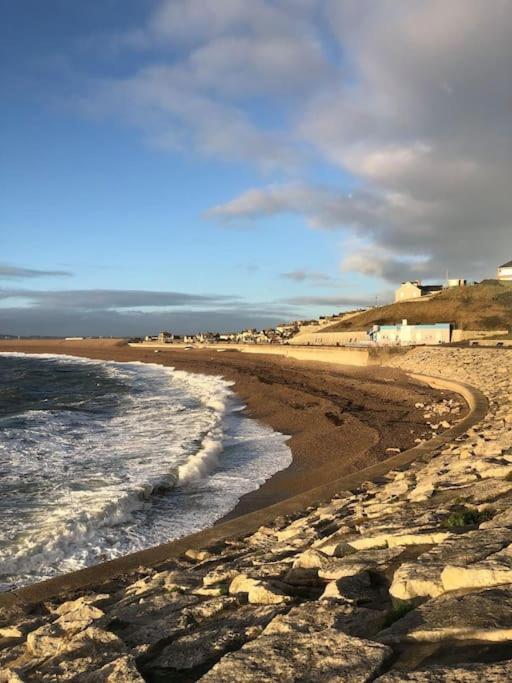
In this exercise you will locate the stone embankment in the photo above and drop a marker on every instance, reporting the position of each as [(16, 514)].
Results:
[(406, 578)]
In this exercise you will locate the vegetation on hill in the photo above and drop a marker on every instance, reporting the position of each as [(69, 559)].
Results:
[(486, 306)]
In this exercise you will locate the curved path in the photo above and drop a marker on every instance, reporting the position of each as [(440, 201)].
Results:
[(246, 524)]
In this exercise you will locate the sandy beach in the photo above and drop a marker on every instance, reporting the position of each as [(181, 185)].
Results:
[(340, 419)]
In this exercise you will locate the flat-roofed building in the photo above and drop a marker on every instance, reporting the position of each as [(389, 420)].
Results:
[(505, 272), (403, 334), (413, 289)]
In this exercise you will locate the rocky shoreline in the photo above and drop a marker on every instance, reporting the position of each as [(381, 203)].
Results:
[(406, 578)]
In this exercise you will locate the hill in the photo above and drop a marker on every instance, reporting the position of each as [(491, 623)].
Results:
[(486, 306)]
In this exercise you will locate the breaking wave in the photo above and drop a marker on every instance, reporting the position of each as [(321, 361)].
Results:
[(99, 459)]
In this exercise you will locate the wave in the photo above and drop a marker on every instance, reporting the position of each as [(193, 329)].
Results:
[(146, 455), (204, 461)]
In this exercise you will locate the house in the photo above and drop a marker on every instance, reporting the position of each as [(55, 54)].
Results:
[(505, 272), (413, 289), (403, 334), (165, 337)]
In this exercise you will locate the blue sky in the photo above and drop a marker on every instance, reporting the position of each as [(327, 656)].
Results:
[(236, 163)]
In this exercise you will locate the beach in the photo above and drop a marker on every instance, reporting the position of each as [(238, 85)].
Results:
[(340, 419)]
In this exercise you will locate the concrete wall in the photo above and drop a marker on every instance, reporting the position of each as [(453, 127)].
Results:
[(466, 335), (495, 342), (329, 338), (341, 355)]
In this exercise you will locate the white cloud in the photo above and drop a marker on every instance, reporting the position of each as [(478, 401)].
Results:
[(411, 98), (424, 124), (205, 63)]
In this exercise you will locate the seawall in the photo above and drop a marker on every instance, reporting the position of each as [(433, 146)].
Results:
[(401, 572)]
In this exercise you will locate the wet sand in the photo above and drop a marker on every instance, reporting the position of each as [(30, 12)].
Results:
[(340, 419)]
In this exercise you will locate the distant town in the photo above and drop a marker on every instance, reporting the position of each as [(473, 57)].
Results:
[(316, 331)]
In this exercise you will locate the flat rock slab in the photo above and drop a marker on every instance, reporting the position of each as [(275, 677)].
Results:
[(468, 673), (424, 576), (482, 615), (318, 616), (212, 640), (496, 569), (122, 670), (293, 656)]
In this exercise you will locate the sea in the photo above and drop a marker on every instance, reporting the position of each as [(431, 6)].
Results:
[(99, 459)]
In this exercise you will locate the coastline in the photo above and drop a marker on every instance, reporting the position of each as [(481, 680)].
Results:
[(275, 573), (339, 419)]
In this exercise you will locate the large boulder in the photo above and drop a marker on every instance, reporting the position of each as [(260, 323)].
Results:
[(258, 592), (293, 656), (463, 673), (482, 615), (122, 670), (208, 642), (424, 576), (494, 570), (318, 616)]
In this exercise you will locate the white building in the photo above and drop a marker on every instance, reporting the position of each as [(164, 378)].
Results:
[(505, 272), (413, 289), (407, 335)]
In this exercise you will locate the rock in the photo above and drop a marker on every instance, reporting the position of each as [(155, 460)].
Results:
[(328, 655), (316, 616), (67, 657), (258, 592), (9, 676), (87, 643), (224, 575), (122, 670), (241, 584), (212, 639), (423, 577), (198, 555), (211, 592), (482, 615), (79, 619), (496, 569), (156, 603), (486, 491), (82, 602), (265, 594), (502, 519), (353, 588), (405, 537), (45, 641), (462, 673), (351, 565), (11, 632), (162, 581)]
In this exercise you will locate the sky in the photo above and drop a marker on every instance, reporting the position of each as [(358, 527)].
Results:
[(216, 164)]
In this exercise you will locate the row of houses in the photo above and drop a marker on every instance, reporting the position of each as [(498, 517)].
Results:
[(276, 335)]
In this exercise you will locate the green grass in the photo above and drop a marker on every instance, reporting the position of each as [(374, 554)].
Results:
[(487, 305), (397, 613), (466, 517)]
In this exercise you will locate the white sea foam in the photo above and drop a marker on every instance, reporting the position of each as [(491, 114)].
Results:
[(79, 488)]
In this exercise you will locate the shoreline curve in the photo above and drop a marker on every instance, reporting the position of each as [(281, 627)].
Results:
[(248, 523)]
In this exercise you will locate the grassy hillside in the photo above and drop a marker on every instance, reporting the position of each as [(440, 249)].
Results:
[(487, 306)]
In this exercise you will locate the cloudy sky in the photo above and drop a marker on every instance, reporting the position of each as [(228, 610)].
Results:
[(199, 164)]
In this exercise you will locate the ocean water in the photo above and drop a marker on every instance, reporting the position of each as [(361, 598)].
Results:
[(99, 459)]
